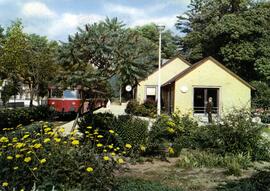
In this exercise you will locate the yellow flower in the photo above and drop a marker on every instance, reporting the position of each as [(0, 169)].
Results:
[(110, 146), (37, 145), (128, 146), (3, 139), (14, 140), (113, 154), (143, 148), (89, 169), (20, 145), (170, 130), (89, 127), (34, 169), (18, 156), (47, 129), (75, 142), (4, 184), (47, 140), (170, 150), (104, 150), (106, 158), (99, 145), (26, 136), (111, 131), (9, 157), (42, 161), (27, 159), (120, 161), (171, 123), (15, 168), (100, 136), (57, 140), (62, 130), (10, 144)]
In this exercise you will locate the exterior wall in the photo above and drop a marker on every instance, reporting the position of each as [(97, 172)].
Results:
[(232, 94), (167, 72)]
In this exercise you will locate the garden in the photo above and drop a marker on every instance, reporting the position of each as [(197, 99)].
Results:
[(123, 153)]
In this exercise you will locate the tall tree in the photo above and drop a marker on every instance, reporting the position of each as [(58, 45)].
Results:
[(169, 40), (234, 32)]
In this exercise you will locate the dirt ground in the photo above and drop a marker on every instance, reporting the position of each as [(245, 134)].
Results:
[(200, 179)]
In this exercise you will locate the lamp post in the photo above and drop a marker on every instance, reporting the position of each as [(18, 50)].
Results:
[(160, 29)]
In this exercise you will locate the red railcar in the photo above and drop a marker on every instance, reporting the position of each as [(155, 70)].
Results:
[(64, 101)]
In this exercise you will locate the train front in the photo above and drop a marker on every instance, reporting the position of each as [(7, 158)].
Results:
[(64, 101)]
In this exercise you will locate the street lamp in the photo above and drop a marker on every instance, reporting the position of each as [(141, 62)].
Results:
[(160, 28)]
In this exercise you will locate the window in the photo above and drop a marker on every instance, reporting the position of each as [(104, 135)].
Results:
[(201, 96), (151, 93)]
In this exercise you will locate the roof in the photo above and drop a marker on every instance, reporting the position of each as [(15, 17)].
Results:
[(179, 56), (198, 64)]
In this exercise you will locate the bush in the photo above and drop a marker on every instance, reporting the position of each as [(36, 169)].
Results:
[(148, 109), (132, 131), (13, 117), (199, 159), (129, 130), (48, 160), (141, 185), (261, 96)]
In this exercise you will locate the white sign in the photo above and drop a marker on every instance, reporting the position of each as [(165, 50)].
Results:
[(128, 88), (151, 91)]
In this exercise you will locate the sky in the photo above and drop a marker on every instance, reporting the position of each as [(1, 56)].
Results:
[(59, 18)]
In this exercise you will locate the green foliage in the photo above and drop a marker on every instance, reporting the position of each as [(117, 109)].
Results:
[(234, 32), (258, 181), (24, 116), (133, 131), (148, 109), (141, 185), (200, 159), (261, 97), (169, 42), (9, 90), (128, 130), (48, 160)]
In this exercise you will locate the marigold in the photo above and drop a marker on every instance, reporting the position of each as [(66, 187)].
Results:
[(110, 146), (106, 158), (170, 130), (3, 139), (26, 136), (27, 159), (120, 161), (89, 169), (37, 145), (34, 169), (89, 127), (170, 150), (18, 156), (5, 184), (99, 145), (111, 131), (9, 157), (42, 161), (75, 142), (57, 140), (100, 136), (128, 146), (20, 145), (15, 168), (143, 148), (47, 140)]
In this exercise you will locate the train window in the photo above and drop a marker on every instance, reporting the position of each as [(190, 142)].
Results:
[(71, 94)]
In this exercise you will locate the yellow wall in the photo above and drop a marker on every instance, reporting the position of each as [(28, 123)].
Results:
[(233, 93), (167, 72)]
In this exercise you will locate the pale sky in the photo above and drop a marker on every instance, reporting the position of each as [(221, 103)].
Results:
[(59, 18)]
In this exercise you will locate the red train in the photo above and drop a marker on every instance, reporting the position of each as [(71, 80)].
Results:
[(64, 101)]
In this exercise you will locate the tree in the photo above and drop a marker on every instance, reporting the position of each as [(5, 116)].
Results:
[(102, 50), (234, 32), (169, 40)]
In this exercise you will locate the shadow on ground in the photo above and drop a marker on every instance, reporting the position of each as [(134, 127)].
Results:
[(260, 181)]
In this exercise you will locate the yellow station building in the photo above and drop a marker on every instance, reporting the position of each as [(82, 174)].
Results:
[(187, 87)]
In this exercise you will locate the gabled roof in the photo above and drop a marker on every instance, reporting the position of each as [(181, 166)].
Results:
[(198, 64), (179, 56)]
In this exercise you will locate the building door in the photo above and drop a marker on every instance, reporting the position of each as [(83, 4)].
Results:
[(201, 96)]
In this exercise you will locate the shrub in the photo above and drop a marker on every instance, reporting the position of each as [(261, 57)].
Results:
[(132, 131), (46, 159), (13, 117), (141, 185), (148, 109), (199, 159), (261, 95), (129, 130)]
